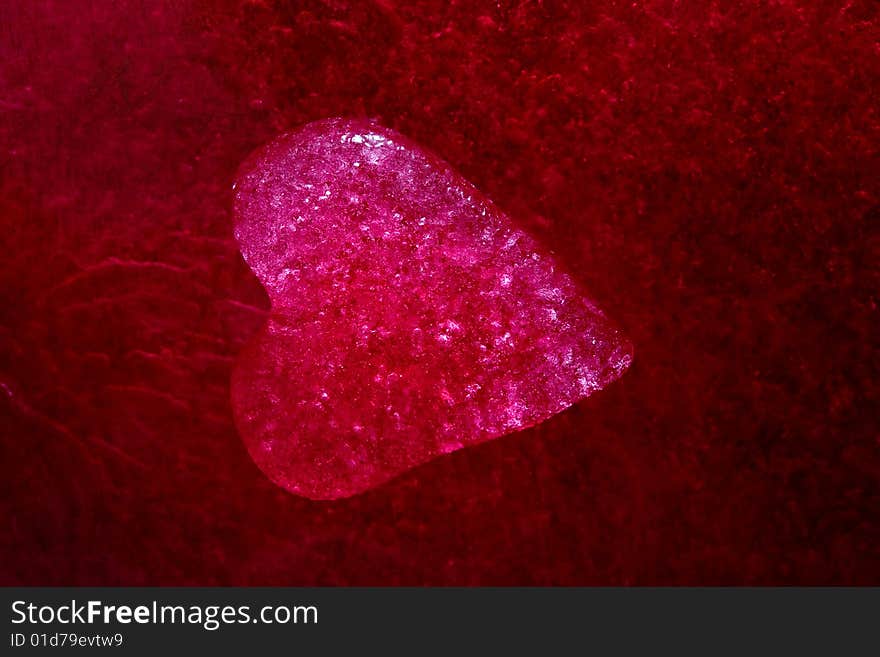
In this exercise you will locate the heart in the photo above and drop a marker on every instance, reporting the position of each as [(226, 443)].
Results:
[(410, 316)]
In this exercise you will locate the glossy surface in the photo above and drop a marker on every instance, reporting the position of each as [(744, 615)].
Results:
[(410, 317)]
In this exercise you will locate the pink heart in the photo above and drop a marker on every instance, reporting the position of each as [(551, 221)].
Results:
[(410, 316)]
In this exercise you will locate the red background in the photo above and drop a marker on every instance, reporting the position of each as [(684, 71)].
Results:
[(709, 171)]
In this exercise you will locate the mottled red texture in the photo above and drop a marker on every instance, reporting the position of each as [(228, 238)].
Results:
[(708, 170), (409, 317)]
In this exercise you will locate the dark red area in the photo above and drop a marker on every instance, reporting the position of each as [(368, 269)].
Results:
[(708, 170)]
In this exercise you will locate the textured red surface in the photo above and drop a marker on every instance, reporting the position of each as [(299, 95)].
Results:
[(409, 318), (708, 170)]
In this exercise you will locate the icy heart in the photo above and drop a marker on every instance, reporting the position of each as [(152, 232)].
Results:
[(410, 317)]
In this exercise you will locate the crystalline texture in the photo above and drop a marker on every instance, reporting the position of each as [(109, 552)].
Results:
[(410, 317)]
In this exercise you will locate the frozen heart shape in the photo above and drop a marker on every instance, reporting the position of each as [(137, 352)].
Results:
[(410, 316)]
